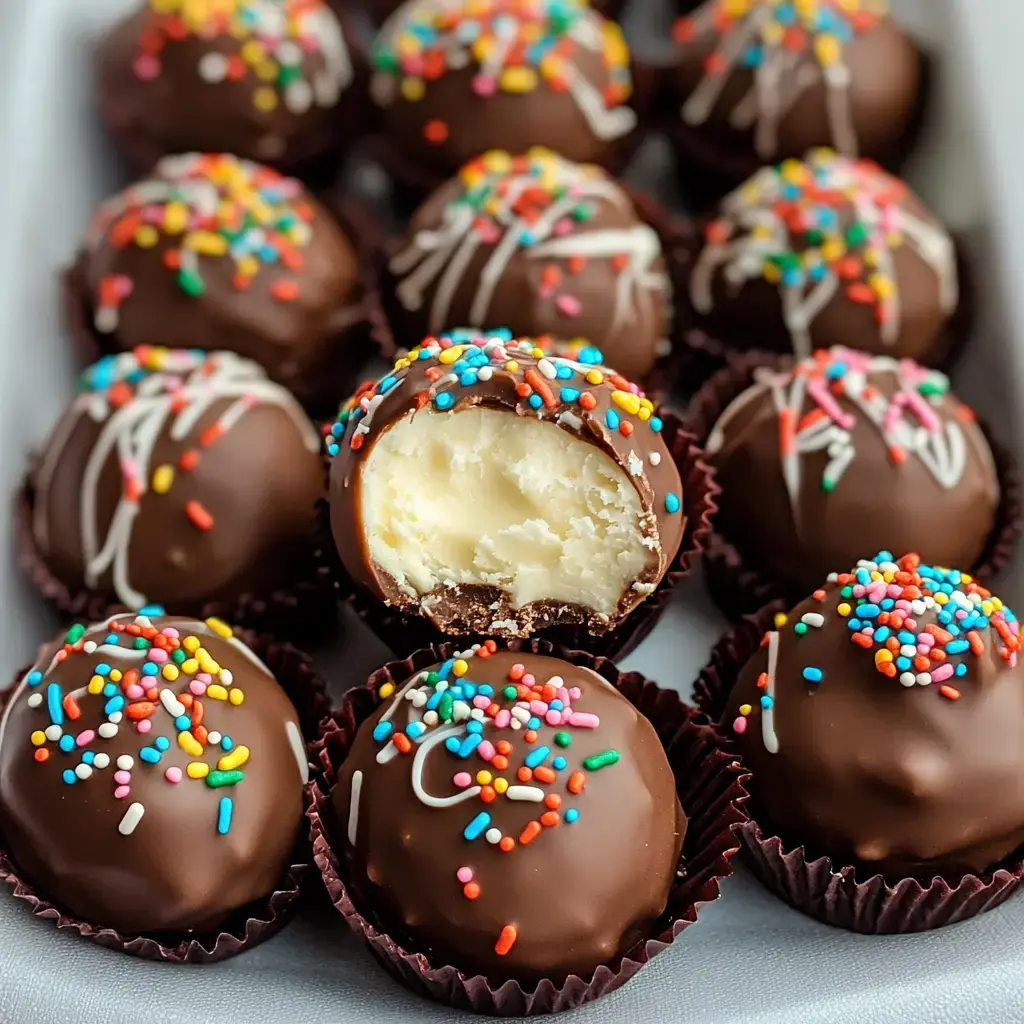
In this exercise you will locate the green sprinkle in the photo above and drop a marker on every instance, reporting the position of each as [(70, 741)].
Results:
[(433, 679), (75, 633), (191, 283), (828, 484), (509, 693), (846, 592), (563, 739), (800, 628), (178, 656), (601, 760), (444, 707), (140, 643), (857, 233), (215, 780), (931, 387)]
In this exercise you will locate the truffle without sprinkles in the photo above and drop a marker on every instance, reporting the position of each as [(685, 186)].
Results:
[(532, 501)]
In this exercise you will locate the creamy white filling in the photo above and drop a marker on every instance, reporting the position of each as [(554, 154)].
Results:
[(482, 496)]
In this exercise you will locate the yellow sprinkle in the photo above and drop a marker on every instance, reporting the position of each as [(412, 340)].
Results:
[(941, 598), (884, 286), (265, 99), (146, 236), (451, 355), (248, 266), (221, 628), (253, 52), (843, 609), (413, 89), (883, 656), (793, 171), (190, 744), (771, 273), (206, 243), (832, 249), (964, 578), (115, 675), (190, 667), (191, 644), (745, 709), (646, 403), (626, 401), (497, 161), (206, 663), (236, 696), (96, 685), (386, 690), (511, 366), (163, 477), (460, 667), (266, 71), (38, 738), (216, 692), (595, 377), (517, 80), (197, 769), (500, 785), (828, 50), (484, 778), (888, 576), (175, 218), (169, 672), (237, 757), (997, 603), (644, 414), (781, 618)]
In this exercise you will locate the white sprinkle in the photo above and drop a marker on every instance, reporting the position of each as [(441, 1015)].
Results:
[(53, 733), (530, 793), (353, 806), (918, 607), (907, 679), (83, 771), (442, 686), (131, 819), (493, 835), (521, 714), (213, 67), (126, 762), (485, 373), (418, 698), (101, 761), (107, 730), (116, 718), (547, 368), (515, 724), (214, 737), (35, 700), (460, 711), (298, 96), (386, 753), (430, 718), (908, 651), (89, 646), (568, 419), (654, 458), (226, 677), (923, 678), (171, 704), (814, 619), (288, 53), (477, 713), (105, 320), (832, 577), (556, 681)]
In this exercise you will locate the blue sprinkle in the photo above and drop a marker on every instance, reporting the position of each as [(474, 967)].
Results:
[(564, 372), (863, 576), (867, 611), (656, 424), (69, 777), (767, 702), (152, 610), (903, 664), (884, 556), (536, 757), (485, 690), (103, 669), (558, 764), (887, 604), (452, 745), (227, 743), (881, 634), (444, 401), (672, 504), (382, 731), (571, 815), (468, 379), (535, 401), (474, 726), (386, 385), (533, 723), (54, 697), (149, 755), (414, 730), (110, 690), (111, 639), (477, 826), (469, 744), (150, 669), (183, 723), (468, 689), (957, 646), (433, 701), (88, 757), (445, 669), (945, 617), (812, 675), (611, 419), (906, 637), (67, 744), (162, 743), (34, 678), (424, 354), (854, 624), (224, 815), (836, 370), (556, 705), (590, 355), (960, 670), (568, 395), (113, 705)]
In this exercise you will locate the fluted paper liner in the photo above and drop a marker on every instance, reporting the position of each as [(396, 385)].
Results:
[(845, 895), (710, 788)]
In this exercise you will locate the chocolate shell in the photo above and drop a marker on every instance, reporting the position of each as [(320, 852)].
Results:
[(465, 851), (773, 80), (217, 253), (151, 775), (494, 489), (826, 251), (176, 477), (274, 83), (543, 246), (848, 453), (456, 78), (884, 723)]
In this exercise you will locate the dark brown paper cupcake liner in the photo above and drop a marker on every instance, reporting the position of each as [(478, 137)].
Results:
[(399, 630), (709, 784), (850, 896), (738, 584), (361, 331), (302, 608), (246, 927)]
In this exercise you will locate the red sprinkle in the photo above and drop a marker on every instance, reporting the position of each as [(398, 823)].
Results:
[(201, 519), (506, 940)]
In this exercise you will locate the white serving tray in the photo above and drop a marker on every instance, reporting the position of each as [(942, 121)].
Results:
[(750, 958)]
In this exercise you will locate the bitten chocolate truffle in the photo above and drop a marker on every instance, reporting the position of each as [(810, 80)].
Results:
[(542, 246), (494, 489), (512, 815), (826, 251), (766, 80), (271, 82), (178, 477), (213, 252), (848, 453), (151, 775), (455, 78), (884, 723)]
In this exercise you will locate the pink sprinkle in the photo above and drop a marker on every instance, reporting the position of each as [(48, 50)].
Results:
[(538, 707), (563, 228), (868, 630), (486, 750), (859, 590), (942, 672), (568, 305), (740, 725), (173, 775), (893, 590), (412, 65), (553, 718), (960, 614), (204, 677), (528, 680), (484, 85), (85, 737), (462, 779), (481, 702), (144, 726), (502, 718), (135, 692), (584, 720), (563, 695), (927, 639), (171, 632), (575, 693), (121, 792), (197, 687), (464, 875), (157, 655), (488, 233), (122, 778), (146, 67), (566, 714)]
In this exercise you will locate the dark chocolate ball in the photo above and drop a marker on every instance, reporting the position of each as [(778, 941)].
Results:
[(151, 775), (849, 453), (272, 82), (773, 80), (826, 251), (494, 489), (455, 78), (213, 252), (510, 842), (177, 477), (541, 246), (884, 723)]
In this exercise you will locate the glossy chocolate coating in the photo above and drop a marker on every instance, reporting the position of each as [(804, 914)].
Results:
[(414, 387), (297, 333), (579, 894), (278, 89), (253, 468), (901, 779), (175, 871), (880, 500), (610, 289)]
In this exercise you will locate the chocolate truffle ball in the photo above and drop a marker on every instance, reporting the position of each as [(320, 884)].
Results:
[(542, 246), (494, 489), (884, 723), (266, 81), (455, 78), (769, 80), (510, 842), (213, 252), (848, 453), (827, 251), (151, 775), (178, 477)]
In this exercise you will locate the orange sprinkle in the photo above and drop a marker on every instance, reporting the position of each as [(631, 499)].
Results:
[(42, 755), (532, 830), (471, 890), (488, 795), (188, 460), (201, 519), (201, 734), (285, 291), (762, 681), (553, 801), (435, 132), (71, 708), (530, 736), (506, 940), (544, 774), (861, 640), (949, 692), (577, 264), (540, 385), (507, 844), (524, 774), (715, 63), (787, 433), (549, 819), (576, 783), (503, 747), (499, 762), (977, 645), (402, 743), (587, 400), (921, 663), (141, 709)]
